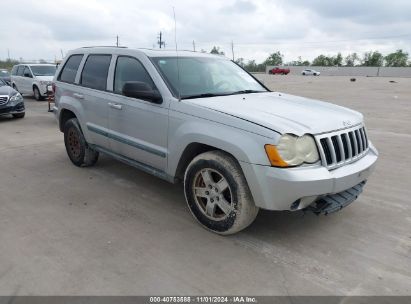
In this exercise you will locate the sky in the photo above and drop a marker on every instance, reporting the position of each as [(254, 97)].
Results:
[(47, 29)]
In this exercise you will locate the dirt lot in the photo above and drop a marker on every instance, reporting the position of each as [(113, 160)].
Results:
[(113, 230)]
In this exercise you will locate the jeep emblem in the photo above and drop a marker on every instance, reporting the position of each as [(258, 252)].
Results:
[(346, 123)]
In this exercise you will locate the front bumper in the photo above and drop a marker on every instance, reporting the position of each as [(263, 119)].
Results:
[(278, 188), (19, 108)]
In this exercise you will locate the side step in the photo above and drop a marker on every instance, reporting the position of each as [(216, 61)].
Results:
[(335, 202)]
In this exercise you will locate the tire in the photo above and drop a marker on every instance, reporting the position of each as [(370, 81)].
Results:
[(36, 93), (217, 193), (77, 148), (303, 74), (19, 115), (270, 72)]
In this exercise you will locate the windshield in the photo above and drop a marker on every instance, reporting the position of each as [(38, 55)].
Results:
[(4, 73), (43, 70), (205, 77)]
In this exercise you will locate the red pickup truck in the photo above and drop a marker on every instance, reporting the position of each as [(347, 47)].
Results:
[(278, 70)]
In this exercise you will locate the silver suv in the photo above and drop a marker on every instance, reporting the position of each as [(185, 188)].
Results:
[(203, 120)]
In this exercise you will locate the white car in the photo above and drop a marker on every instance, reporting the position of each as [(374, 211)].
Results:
[(310, 72), (32, 79)]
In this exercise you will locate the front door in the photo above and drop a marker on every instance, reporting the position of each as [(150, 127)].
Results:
[(138, 128)]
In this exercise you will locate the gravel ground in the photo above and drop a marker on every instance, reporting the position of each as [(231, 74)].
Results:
[(113, 230)]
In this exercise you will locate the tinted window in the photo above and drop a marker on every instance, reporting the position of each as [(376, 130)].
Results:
[(68, 74), (95, 72), (43, 70), (20, 70), (130, 69)]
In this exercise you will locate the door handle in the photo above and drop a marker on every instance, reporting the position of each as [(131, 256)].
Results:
[(78, 96), (115, 106)]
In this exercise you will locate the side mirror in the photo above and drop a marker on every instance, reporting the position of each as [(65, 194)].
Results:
[(28, 75), (141, 90)]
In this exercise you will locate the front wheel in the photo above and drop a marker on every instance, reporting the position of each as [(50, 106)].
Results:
[(77, 148), (36, 93), (217, 193), (19, 115)]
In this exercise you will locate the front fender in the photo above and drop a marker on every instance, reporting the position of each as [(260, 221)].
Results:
[(185, 129)]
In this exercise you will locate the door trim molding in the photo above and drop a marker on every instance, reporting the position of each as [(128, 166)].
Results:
[(126, 141)]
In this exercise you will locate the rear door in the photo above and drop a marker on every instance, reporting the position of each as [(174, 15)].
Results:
[(139, 127), (26, 81), (94, 98)]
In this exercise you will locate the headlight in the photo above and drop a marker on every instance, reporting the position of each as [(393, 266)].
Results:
[(293, 151), (16, 97)]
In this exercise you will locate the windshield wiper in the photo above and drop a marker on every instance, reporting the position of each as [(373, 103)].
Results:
[(204, 95), (246, 92)]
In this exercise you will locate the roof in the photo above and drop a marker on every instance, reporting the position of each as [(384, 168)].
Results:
[(147, 52)]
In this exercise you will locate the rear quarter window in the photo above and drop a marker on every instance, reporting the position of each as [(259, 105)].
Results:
[(20, 70), (95, 72), (69, 71)]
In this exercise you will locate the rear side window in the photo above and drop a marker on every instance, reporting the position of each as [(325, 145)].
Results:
[(95, 72), (68, 74), (130, 69), (14, 70)]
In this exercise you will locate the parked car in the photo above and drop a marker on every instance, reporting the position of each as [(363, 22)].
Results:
[(11, 101), (5, 76), (278, 70), (310, 72), (32, 79), (203, 120)]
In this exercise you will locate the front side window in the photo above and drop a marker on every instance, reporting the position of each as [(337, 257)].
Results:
[(68, 74), (130, 69), (192, 77), (95, 72), (43, 70)]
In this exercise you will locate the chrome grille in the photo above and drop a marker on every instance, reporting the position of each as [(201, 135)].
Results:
[(3, 100), (342, 147)]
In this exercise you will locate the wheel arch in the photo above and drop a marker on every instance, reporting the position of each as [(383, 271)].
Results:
[(65, 115), (190, 152)]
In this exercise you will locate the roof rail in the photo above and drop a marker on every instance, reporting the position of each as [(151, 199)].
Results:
[(107, 46)]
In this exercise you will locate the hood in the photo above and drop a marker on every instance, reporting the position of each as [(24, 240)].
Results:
[(283, 113), (45, 78), (6, 90)]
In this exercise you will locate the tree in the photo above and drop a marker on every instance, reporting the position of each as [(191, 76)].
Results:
[(322, 60), (396, 59), (240, 62), (216, 50), (371, 58), (298, 62), (337, 60), (274, 59), (351, 59)]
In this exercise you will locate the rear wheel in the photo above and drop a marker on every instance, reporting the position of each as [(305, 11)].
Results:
[(217, 193), (77, 148)]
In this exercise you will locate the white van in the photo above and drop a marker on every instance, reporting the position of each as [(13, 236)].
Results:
[(32, 79)]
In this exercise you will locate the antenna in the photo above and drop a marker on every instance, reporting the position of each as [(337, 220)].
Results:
[(175, 41)]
